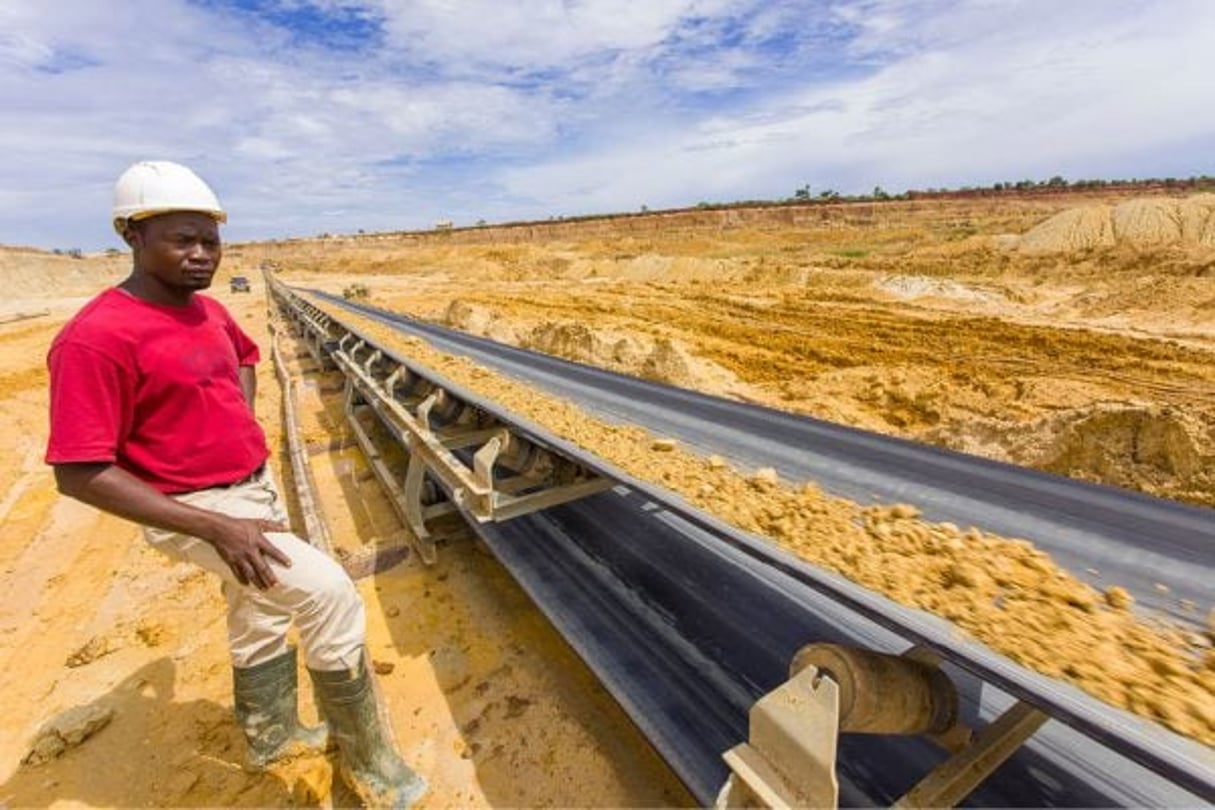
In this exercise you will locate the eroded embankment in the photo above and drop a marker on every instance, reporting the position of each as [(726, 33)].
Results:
[(1141, 222), (1003, 591)]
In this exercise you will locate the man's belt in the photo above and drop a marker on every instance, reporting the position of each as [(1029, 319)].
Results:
[(255, 474)]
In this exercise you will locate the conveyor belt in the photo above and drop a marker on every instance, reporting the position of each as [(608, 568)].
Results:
[(687, 621), (686, 632), (1128, 539)]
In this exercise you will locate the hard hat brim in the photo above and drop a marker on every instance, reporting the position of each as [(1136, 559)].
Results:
[(120, 222)]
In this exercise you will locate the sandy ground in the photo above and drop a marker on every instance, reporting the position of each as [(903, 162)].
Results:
[(1005, 330)]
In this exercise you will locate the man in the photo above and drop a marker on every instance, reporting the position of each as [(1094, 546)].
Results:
[(152, 393)]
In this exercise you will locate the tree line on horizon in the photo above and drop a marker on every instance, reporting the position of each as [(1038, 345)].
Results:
[(805, 196), (1055, 184)]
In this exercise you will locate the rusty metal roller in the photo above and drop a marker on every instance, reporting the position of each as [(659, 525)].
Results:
[(881, 693)]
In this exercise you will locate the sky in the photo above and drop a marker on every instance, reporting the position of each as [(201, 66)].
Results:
[(334, 116)]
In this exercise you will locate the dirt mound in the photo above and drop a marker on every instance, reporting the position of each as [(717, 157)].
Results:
[(927, 287), (573, 341), (1149, 447), (670, 362), (659, 359), (1197, 215), (1155, 449), (37, 274), (1147, 223), (1075, 229), (478, 320), (1140, 223)]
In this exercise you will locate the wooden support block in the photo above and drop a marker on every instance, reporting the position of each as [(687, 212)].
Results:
[(375, 559)]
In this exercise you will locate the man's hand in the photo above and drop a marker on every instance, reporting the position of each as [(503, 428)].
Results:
[(242, 544)]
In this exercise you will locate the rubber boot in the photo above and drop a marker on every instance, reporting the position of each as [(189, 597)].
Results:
[(267, 710), (368, 761)]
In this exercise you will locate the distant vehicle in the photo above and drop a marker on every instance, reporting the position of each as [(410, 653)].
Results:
[(239, 284)]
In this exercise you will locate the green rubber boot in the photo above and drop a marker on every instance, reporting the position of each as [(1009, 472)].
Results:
[(368, 762), (267, 710)]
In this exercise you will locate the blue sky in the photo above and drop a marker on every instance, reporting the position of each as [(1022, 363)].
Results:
[(311, 116)]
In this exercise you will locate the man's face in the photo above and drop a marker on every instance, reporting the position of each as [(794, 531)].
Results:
[(181, 249)]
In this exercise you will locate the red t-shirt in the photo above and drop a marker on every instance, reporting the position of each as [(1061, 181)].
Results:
[(156, 390)]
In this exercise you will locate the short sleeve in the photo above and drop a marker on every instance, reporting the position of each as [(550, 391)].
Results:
[(92, 401), (247, 352)]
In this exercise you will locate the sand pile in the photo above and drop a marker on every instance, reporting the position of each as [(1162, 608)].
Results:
[(478, 320), (1075, 229), (659, 359), (1139, 223), (928, 287), (1156, 449), (1148, 223)]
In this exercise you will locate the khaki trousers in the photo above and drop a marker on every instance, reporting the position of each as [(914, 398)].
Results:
[(315, 591)]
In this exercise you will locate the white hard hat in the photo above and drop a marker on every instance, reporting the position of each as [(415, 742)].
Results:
[(153, 187)]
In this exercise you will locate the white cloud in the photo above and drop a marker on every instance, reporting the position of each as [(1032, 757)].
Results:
[(531, 34), (217, 102), (1025, 94), (515, 109)]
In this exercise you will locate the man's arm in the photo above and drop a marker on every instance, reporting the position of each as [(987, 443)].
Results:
[(239, 541), (248, 384)]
